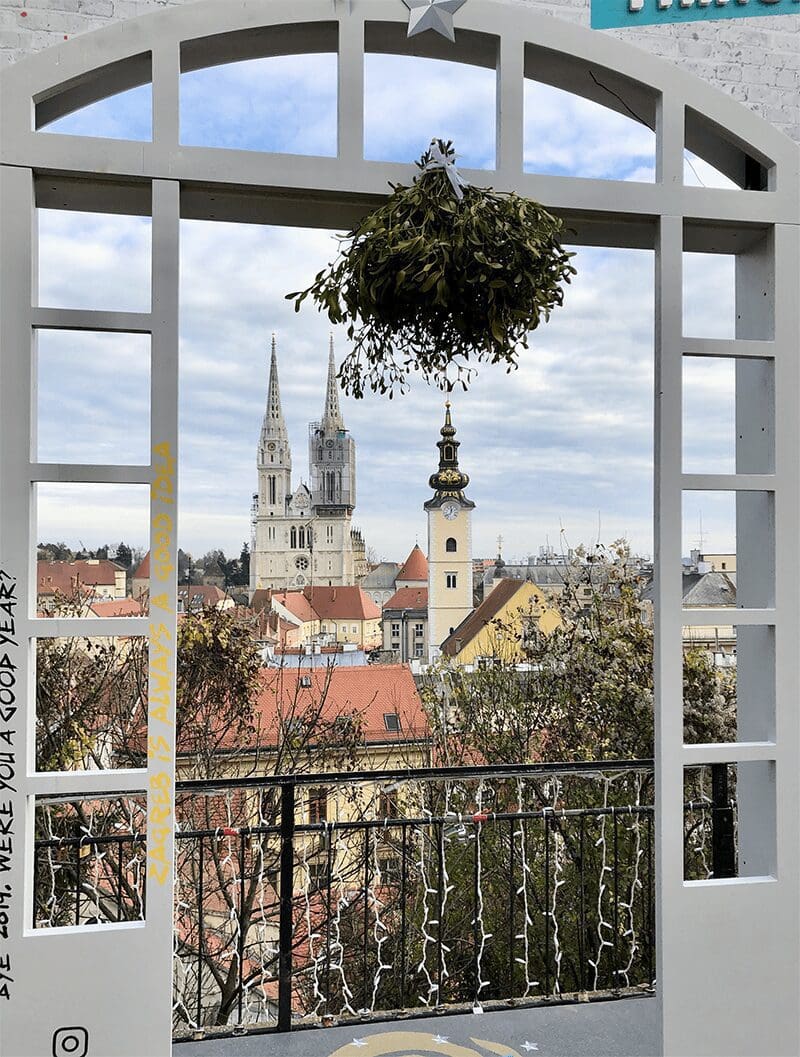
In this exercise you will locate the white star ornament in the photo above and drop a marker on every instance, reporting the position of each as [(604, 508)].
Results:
[(433, 14)]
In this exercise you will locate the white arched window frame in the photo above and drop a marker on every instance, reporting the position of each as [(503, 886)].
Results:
[(727, 951)]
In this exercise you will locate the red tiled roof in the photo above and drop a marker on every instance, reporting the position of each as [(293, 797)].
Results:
[(201, 594), (408, 598), (143, 568), (262, 599), (370, 692), (63, 577), (119, 607), (297, 604), (329, 603), (415, 567)]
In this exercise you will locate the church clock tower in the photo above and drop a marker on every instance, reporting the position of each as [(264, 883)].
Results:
[(449, 543)]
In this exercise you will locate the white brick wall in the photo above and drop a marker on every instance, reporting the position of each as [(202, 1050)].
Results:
[(756, 60)]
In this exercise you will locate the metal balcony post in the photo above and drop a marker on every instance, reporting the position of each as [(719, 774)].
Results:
[(723, 852), (286, 923)]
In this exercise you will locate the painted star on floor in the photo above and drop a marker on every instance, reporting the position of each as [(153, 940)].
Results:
[(423, 1044), (433, 14)]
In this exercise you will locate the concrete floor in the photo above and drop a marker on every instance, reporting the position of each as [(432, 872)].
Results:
[(622, 1028)]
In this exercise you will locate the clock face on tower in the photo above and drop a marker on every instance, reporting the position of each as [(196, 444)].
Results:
[(450, 511)]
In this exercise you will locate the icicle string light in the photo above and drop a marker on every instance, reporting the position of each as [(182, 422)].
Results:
[(635, 885), (519, 835), (604, 928), (483, 935)]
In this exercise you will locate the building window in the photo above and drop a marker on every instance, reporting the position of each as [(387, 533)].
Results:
[(329, 533), (271, 532), (318, 875), (449, 453), (272, 489), (391, 721), (317, 804), (395, 630), (293, 538), (451, 546), (305, 681), (451, 579), (390, 870), (387, 806), (355, 629), (419, 649), (419, 630), (301, 563), (302, 537)]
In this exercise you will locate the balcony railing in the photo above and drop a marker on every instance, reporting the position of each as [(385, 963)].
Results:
[(438, 890)]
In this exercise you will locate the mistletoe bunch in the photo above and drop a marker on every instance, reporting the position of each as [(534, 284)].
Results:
[(431, 282)]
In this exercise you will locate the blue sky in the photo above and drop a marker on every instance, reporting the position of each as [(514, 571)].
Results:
[(560, 450)]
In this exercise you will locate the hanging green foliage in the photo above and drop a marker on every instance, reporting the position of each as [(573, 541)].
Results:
[(440, 276)]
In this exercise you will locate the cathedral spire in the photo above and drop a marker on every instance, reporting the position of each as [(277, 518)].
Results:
[(274, 422), (332, 418)]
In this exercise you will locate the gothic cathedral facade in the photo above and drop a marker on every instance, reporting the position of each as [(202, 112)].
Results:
[(449, 543), (304, 536)]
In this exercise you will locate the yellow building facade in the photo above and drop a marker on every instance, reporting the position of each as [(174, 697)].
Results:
[(503, 623)]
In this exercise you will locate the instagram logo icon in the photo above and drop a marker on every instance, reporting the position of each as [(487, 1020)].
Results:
[(70, 1042)]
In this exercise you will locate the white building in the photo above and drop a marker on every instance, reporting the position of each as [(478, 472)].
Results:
[(303, 535)]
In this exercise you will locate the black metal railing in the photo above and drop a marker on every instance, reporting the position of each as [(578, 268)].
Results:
[(326, 897)]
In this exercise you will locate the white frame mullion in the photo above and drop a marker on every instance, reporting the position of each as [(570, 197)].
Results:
[(350, 91), (729, 347), (88, 627), (668, 642), (17, 279), (83, 319), (510, 108), (161, 727), (744, 618), (80, 473)]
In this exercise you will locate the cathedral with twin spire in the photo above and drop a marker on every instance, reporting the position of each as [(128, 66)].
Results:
[(304, 536)]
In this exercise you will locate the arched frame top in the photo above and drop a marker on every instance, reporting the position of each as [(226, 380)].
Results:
[(683, 110)]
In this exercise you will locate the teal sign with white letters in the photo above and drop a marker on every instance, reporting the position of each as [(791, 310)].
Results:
[(616, 14)]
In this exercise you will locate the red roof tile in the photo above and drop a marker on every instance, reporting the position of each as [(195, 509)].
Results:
[(371, 692), (201, 594), (262, 599), (64, 577), (119, 607), (329, 603), (408, 598), (415, 567), (143, 568)]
